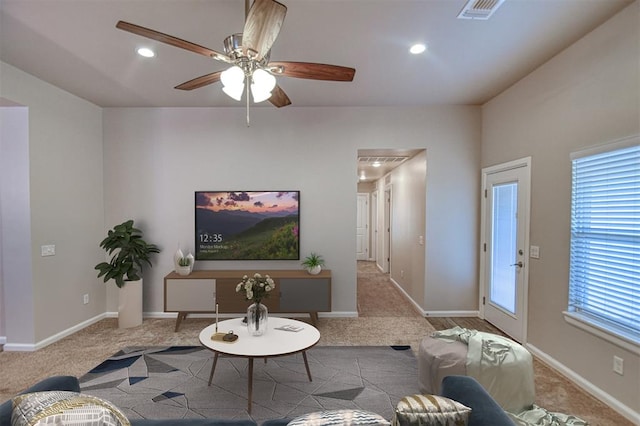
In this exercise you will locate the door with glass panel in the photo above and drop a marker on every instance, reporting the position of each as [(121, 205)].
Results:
[(505, 251)]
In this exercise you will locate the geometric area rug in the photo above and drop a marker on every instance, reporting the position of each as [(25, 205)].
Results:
[(171, 382)]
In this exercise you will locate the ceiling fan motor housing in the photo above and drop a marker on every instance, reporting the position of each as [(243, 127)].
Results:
[(233, 45)]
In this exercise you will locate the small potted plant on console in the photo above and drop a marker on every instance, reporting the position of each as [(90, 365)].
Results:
[(184, 266), (313, 263)]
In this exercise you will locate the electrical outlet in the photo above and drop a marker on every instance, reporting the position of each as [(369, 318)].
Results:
[(402, 273), (618, 365), (85, 299)]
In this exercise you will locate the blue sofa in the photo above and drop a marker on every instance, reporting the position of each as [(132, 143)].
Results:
[(464, 389)]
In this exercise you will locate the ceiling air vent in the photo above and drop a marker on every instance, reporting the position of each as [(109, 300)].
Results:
[(479, 9), (378, 161)]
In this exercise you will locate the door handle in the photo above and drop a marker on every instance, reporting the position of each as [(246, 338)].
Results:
[(519, 264)]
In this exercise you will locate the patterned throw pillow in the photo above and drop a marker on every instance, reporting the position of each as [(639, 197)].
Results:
[(339, 417), (63, 407), (430, 410)]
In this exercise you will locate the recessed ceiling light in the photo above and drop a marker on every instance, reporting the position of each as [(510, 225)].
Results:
[(418, 48), (146, 52)]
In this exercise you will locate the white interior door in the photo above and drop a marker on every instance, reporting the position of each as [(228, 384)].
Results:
[(374, 226), (505, 247), (362, 227)]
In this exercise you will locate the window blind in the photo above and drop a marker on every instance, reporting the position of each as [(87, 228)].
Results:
[(604, 276)]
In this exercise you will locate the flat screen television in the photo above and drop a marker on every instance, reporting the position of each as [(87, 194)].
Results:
[(247, 225)]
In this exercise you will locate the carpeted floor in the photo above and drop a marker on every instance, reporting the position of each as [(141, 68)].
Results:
[(171, 382), (394, 322)]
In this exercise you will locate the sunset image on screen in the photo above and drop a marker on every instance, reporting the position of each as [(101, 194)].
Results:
[(247, 225)]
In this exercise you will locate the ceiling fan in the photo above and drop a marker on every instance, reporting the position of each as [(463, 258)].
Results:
[(248, 54)]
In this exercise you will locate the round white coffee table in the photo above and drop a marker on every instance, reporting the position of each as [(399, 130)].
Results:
[(272, 343)]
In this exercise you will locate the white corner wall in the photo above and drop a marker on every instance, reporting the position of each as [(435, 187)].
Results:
[(17, 317), (155, 158), (587, 95), (66, 210)]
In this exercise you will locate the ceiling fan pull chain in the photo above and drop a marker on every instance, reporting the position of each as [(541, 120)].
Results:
[(247, 96)]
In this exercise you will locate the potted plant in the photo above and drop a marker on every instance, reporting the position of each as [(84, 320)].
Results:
[(128, 251), (313, 263)]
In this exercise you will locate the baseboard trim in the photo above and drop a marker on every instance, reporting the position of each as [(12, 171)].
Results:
[(338, 314), (586, 385), (417, 307), (30, 347), (436, 314)]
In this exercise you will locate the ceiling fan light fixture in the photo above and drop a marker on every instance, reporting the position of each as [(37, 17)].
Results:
[(263, 84), (233, 82), (234, 92), (258, 94)]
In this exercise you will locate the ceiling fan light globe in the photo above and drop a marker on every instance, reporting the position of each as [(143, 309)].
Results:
[(233, 76), (264, 80), (234, 92), (259, 95)]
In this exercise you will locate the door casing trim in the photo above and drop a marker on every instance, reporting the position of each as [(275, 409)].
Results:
[(510, 165)]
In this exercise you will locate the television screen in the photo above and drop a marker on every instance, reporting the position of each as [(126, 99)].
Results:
[(247, 225)]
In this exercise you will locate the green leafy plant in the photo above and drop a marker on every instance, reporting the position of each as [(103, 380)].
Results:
[(128, 252), (184, 261), (313, 260)]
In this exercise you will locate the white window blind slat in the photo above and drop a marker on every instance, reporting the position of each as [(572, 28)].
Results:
[(604, 276)]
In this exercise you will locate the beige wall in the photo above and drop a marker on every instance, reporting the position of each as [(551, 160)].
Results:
[(66, 209), (585, 96), (169, 153), (408, 248)]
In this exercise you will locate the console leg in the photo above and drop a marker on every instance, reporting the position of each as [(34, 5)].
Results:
[(179, 318)]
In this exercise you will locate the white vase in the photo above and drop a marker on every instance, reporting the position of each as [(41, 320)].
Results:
[(176, 258), (183, 270), (314, 270), (130, 304)]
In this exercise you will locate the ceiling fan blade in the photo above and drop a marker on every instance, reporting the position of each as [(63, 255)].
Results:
[(312, 71), (279, 98), (262, 27), (173, 41), (201, 81)]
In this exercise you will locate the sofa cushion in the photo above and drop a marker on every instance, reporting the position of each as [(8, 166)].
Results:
[(191, 422), (64, 407), (68, 383), (340, 418), (427, 410)]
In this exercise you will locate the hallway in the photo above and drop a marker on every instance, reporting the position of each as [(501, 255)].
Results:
[(378, 296)]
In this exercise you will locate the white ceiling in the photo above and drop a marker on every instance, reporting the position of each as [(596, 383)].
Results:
[(74, 45)]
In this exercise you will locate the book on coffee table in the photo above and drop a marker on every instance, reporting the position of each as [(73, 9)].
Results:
[(290, 327)]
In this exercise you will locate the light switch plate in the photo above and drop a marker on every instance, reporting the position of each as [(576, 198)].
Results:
[(534, 252), (48, 250)]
